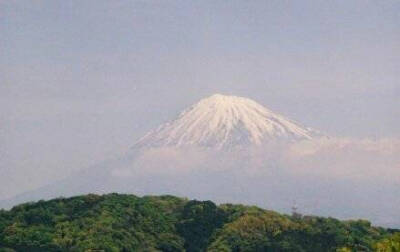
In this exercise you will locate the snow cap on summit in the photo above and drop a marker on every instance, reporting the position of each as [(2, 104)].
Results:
[(222, 121)]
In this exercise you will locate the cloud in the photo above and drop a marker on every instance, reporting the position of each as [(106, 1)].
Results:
[(347, 158), (332, 158), (340, 177), (162, 161)]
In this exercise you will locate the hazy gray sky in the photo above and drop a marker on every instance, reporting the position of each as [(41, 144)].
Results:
[(80, 81)]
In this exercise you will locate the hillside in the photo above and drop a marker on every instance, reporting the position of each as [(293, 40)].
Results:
[(116, 222)]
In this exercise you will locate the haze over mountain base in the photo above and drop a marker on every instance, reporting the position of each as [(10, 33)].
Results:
[(346, 184)]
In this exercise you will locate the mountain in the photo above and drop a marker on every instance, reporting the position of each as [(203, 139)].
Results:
[(116, 222), (195, 141), (222, 122), (232, 149)]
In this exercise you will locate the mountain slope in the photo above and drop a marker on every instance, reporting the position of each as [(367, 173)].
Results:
[(225, 121), (116, 222)]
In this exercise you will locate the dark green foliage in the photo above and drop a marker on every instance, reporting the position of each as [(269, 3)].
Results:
[(198, 222), (110, 222), (269, 231), (116, 222)]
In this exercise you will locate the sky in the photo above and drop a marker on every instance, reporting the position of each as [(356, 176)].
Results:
[(81, 81)]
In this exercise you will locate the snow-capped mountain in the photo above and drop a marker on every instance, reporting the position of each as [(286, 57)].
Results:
[(321, 174), (221, 121)]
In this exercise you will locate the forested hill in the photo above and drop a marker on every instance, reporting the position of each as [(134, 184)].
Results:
[(116, 222)]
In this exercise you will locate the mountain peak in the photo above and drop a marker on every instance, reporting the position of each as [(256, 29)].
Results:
[(222, 121), (218, 96), (229, 99)]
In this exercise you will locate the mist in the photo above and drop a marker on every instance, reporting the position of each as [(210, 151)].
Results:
[(341, 177)]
